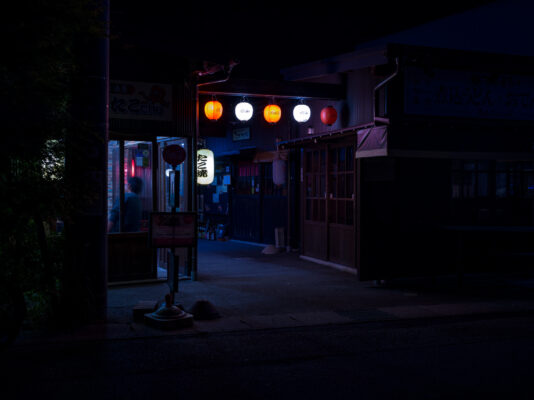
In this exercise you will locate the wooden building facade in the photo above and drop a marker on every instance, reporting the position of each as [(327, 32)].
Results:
[(430, 145)]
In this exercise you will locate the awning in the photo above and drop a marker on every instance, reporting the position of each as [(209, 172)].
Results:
[(374, 140), (270, 156), (370, 139)]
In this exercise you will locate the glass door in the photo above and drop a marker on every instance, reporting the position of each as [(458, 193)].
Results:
[(314, 233), (131, 199), (341, 204), (172, 189)]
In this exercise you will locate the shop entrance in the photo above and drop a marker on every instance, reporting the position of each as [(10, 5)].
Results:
[(139, 182), (328, 203), (258, 205)]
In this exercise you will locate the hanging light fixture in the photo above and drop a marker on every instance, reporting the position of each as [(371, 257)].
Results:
[(272, 113), (301, 112), (205, 166), (244, 110), (328, 115), (279, 171), (213, 110)]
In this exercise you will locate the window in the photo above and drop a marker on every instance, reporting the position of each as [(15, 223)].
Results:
[(514, 179), (332, 183), (488, 179), (470, 179), (341, 185), (315, 184)]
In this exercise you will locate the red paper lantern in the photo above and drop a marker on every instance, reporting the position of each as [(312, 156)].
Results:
[(272, 113), (328, 115), (213, 110)]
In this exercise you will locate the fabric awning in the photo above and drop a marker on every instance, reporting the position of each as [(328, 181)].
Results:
[(370, 139), (269, 156)]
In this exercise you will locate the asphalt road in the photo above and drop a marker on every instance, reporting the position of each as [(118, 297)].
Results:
[(445, 358)]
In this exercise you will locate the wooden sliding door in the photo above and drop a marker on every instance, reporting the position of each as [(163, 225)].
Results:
[(328, 203)]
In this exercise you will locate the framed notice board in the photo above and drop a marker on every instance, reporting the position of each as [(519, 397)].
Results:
[(169, 230)]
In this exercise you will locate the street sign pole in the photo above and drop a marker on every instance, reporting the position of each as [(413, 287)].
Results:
[(175, 257), (174, 155)]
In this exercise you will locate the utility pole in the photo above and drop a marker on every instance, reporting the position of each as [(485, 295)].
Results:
[(84, 292)]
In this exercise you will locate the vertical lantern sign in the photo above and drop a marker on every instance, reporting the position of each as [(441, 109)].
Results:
[(279, 172), (205, 166)]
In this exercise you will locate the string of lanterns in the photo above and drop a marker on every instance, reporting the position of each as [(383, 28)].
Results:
[(272, 112)]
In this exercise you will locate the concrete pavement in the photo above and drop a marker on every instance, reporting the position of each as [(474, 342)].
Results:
[(251, 290)]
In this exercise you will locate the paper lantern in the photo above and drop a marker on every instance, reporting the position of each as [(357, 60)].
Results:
[(213, 110), (301, 113), (279, 172), (328, 115), (272, 113), (205, 166), (243, 111)]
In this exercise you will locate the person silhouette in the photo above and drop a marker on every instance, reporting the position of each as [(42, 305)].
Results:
[(132, 208)]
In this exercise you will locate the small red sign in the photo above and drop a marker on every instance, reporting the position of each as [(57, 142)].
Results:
[(174, 154)]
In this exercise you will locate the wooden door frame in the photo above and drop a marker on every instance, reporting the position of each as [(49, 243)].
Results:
[(303, 196), (327, 146)]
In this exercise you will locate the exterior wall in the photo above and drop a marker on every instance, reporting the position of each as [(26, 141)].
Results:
[(359, 103), (402, 202), (412, 206), (356, 109)]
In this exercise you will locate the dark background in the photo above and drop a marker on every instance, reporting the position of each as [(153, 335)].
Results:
[(267, 36)]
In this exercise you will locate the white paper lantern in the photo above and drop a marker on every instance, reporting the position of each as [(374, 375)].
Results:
[(243, 111), (205, 166), (279, 172), (301, 113)]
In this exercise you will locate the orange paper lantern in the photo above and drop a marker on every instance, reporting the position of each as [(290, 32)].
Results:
[(213, 110), (272, 113), (328, 115)]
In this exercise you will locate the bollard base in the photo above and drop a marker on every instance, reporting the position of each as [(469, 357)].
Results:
[(169, 317)]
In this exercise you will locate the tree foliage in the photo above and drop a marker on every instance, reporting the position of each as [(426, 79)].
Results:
[(37, 70)]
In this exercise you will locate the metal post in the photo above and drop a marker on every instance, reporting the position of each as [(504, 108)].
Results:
[(176, 259), (194, 200)]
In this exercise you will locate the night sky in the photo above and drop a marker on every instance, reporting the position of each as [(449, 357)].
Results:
[(267, 36)]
